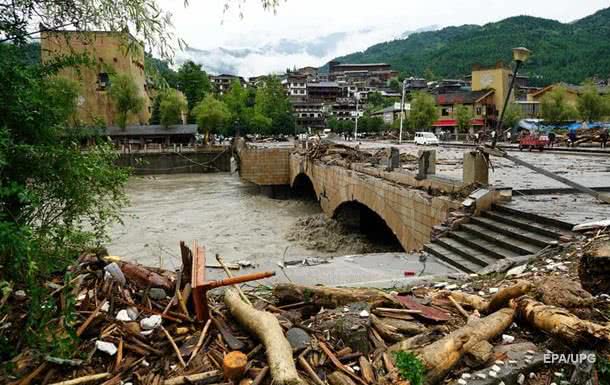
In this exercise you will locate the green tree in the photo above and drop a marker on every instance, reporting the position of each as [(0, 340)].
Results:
[(272, 102), (171, 107), (512, 116), (194, 83), (212, 116), (238, 101), (463, 115), (375, 101), (395, 85), (126, 96), (423, 111), (590, 104), (55, 199), (554, 106)]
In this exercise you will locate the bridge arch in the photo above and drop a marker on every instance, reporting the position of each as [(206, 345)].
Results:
[(356, 215), (302, 186)]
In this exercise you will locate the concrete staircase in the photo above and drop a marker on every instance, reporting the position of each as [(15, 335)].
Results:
[(499, 233)]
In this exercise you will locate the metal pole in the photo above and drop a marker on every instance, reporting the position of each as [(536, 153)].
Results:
[(510, 90), (356, 125), (402, 110)]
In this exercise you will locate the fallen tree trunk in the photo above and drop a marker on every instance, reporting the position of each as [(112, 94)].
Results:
[(144, 277), (329, 297), (503, 297), (267, 329), (561, 323), (442, 355)]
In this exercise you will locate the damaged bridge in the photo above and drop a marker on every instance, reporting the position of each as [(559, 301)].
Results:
[(410, 205)]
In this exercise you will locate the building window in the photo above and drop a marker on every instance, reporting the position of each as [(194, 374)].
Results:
[(445, 112), (479, 111), (103, 81)]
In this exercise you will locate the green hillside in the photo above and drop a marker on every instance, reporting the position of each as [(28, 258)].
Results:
[(561, 52)]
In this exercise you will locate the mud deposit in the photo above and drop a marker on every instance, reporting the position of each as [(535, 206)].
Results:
[(318, 232)]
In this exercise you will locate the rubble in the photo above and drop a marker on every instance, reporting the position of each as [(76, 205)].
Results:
[(478, 329)]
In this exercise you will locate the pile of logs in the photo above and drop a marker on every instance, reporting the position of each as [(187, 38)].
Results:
[(138, 325)]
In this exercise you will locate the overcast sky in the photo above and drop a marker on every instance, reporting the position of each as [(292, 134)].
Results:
[(204, 26)]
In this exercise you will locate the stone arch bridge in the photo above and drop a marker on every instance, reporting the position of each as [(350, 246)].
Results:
[(398, 197)]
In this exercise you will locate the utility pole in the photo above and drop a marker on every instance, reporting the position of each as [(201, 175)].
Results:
[(402, 110)]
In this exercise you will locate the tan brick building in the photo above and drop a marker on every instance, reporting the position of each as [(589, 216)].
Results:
[(112, 53)]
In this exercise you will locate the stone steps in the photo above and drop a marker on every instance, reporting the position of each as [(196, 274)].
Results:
[(497, 234)]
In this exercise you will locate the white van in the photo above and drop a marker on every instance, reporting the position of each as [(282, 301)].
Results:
[(426, 138)]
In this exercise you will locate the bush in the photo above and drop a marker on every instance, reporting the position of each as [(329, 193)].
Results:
[(410, 367)]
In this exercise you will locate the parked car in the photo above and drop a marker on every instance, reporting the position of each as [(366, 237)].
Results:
[(426, 138)]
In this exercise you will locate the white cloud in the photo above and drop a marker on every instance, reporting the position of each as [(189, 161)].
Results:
[(304, 32)]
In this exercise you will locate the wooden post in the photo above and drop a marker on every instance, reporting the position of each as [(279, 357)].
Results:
[(197, 283)]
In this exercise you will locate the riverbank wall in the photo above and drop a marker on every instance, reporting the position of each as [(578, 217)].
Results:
[(201, 161)]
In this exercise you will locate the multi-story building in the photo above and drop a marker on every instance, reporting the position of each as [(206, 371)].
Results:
[(309, 114), (481, 105), (370, 74), (324, 91), (112, 53), (296, 86), (223, 82)]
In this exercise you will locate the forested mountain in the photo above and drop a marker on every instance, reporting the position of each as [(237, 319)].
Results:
[(570, 52)]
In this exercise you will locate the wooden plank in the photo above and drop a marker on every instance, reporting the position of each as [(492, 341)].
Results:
[(426, 311), (198, 283)]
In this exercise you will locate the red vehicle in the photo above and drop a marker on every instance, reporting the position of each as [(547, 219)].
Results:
[(533, 141)]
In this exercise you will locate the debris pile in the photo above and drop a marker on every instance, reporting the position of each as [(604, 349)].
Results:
[(140, 325)]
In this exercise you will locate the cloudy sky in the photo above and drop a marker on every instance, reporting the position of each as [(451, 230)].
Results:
[(310, 32)]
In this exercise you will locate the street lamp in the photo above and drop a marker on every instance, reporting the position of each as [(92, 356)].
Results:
[(402, 109), (357, 95), (520, 55)]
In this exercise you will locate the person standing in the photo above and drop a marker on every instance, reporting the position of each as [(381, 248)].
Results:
[(551, 138), (604, 137), (493, 138), (572, 137)]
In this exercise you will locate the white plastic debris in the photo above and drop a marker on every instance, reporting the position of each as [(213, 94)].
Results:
[(451, 287), (493, 290), (466, 376), (558, 374), (122, 315), (496, 368), (440, 284), (521, 379), (145, 363), (115, 272), (462, 382), (106, 347), (20, 294), (146, 332), (346, 309), (481, 293), (493, 374), (482, 376), (364, 314), (506, 339), (245, 263), (513, 362), (499, 362), (151, 322), (105, 307)]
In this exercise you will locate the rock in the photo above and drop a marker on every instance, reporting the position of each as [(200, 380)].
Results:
[(517, 270), (582, 372), (347, 326), (151, 322), (364, 314), (479, 355), (115, 273), (298, 338), (133, 313), (562, 292), (122, 315), (106, 347), (157, 293), (133, 327), (506, 339), (20, 295), (513, 371)]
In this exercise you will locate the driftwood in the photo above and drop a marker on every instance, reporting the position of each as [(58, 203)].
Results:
[(561, 323), (213, 375), (144, 277), (503, 297), (440, 356), (470, 300), (339, 378), (266, 328), (329, 297), (84, 379)]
